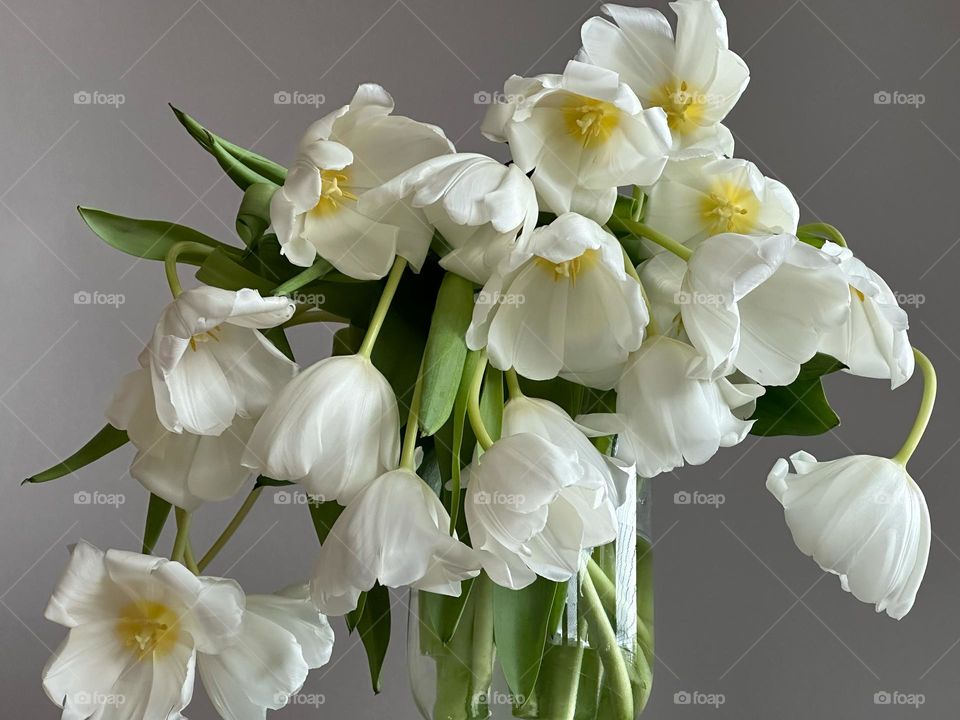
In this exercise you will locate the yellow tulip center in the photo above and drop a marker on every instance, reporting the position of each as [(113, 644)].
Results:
[(684, 105), (333, 192), (208, 336), (730, 208), (569, 269), (590, 121), (148, 628), (854, 293)]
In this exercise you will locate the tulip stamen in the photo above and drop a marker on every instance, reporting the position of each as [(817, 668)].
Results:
[(148, 628), (591, 121), (332, 192), (730, 208), (203, 337), (568, 269), (683, 105)]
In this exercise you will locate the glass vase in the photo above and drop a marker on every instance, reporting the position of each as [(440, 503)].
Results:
[(480, 656)]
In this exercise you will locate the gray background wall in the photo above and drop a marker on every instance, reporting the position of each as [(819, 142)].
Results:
[(740, 612)]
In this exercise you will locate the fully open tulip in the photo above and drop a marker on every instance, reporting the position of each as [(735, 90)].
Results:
[(561, 304), (533, 507), (873, 342), (358, 147), (280, 639), (706, 196), (862, 518), (209, 363), (182, 468), (334, 429), (135, 623), (396, 532), (582, 134), (696, 78), (477, 204), (760, 304), (665, 418)]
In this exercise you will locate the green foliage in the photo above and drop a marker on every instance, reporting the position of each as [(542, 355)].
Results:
[(800, 408), (148, 239), (103, 443)]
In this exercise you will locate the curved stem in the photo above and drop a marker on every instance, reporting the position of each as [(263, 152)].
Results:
[(413, 422), (483, 650), (316, 271), (183, 535), (189, 560), (513, 384), (473, 405), (380, 314), (602, 634), (824, 230), (230, 529), (645, 231), (170, 261), (925, 411), (652, 328)]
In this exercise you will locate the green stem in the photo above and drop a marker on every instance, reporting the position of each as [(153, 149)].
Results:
[(413, 422), (605, 641), (652, 328), (473, 405), (513, 384), (170, 261), (189, 560), (380, 314), (482, 655), (645, 231), (183, 535), (925, 411), (823, 230), (639, 197), (230, 529), (316, 271)]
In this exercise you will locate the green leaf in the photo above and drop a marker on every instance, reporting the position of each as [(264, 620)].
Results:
[(800, 408), (324, 515), (157, 511), (255, 167), (319, 269), (253, 217), (221, 269), (374, 627), (347, 340), (264, 481), (149, 239), (103, 443), (564, 393), (522, 622), (278, 337), (491, 401), (445, 352)]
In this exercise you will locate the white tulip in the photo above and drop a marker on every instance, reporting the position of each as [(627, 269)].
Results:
[(662, 277), (335, 428), (561, 304), (358, 147), (696, 78), (700, 197), (862, 518), (182, 468), (548, 420), (665, 418), (760, 305), (396, 532), (873, 342), (582, 134), (533, 507), (208, 362), (135, 622), (280, 639), (478, 204)]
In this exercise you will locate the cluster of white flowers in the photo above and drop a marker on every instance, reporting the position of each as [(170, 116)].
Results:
[(718, 298)]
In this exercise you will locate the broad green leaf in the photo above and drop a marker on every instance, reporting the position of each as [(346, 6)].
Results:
[(264, 481), (157, 511), (347, 340), (800, 408), (374, 628), (253, 217), (564, 393), (103, 443), (522, 623), (445, 352), (278, 337), (221, 269), (149, 239), (230, 155), (324, 515), (491, 402), (429, 469)]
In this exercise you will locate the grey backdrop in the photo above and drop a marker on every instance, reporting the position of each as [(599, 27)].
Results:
[(740, 611)]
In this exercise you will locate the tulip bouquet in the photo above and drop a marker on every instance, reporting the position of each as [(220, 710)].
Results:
[(520, 348)]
